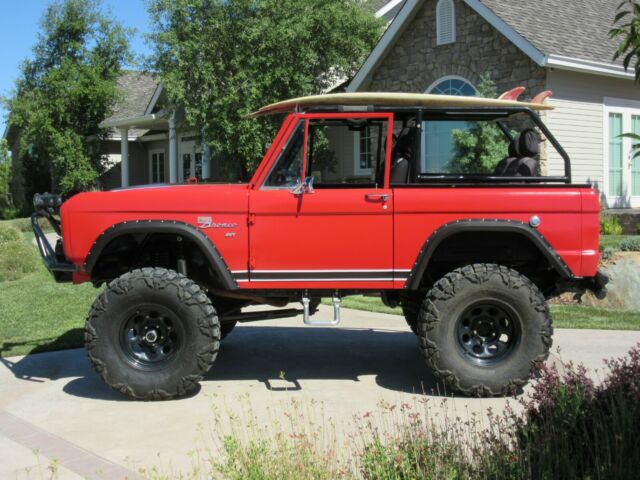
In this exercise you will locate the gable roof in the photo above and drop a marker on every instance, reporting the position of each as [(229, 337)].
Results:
[(137, 89), (570, 35)]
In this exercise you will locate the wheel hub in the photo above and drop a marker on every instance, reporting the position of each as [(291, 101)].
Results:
[(487, 331), (150, 337)]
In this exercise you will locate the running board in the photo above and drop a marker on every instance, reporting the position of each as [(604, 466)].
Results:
[(321, 323)]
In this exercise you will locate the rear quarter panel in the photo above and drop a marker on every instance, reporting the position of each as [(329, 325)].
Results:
[(566, 227)]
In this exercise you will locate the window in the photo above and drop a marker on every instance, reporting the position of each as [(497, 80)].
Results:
[(157, 167), (288, 168), (346, 152), (336, 148), (445, 22), (366, 154), (453, 86), (615, 154)]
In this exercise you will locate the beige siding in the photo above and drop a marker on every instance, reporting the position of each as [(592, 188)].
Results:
[(578, 120)]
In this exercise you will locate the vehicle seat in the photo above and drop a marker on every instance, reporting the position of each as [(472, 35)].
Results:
[(401, 156), (529, 148), (513, 155)]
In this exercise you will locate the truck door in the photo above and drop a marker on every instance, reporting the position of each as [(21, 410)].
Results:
[(322, 213)]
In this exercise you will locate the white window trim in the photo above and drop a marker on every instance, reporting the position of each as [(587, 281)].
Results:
[(151, 153), (439, 22), (450, 77), (625, 107)]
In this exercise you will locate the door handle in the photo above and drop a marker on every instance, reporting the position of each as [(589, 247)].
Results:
[(377, 196)]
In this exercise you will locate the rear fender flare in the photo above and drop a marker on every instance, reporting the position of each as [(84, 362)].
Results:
[(483, 225), (164, 227)]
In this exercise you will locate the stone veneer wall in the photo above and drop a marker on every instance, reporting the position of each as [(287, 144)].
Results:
[(415, 62)]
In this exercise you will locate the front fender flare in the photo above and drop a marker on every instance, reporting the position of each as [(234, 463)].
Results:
[(163, 226), (483, 225)]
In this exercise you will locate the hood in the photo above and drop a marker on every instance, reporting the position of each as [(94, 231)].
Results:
[(159, 199)]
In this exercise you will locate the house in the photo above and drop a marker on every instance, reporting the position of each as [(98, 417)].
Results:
[(445, 46)]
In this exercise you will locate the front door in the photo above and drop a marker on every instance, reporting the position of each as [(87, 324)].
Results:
[(340, 231), (191, 160), (622, 170)]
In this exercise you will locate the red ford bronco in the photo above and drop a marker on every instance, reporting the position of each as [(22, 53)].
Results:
[(440, 205)]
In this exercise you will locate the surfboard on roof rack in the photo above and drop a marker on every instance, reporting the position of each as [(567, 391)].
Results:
[(388, 99)]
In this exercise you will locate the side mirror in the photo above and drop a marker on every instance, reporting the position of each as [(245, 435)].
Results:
[(303, 187)]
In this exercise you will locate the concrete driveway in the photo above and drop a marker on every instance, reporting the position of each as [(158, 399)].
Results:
[(55, 405)]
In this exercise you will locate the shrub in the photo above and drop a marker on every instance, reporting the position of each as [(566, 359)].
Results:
[(638, 228), (631, 244), (8, 234), (610, 225), (17, 259)]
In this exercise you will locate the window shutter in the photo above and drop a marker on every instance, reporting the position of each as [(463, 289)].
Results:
[(445, 22)]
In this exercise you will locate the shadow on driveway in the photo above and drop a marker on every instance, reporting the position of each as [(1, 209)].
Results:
[(281, 358)]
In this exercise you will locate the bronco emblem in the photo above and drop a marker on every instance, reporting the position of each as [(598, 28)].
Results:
[(207, 222)]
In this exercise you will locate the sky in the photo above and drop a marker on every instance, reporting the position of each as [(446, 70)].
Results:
[(19, 27)]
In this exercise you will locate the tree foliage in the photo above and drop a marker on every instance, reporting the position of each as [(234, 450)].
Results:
[(5, 178), (479, 148), (221, 59), (627, 27), (64, 92)]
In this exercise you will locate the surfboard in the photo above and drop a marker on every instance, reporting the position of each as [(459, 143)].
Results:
[(389, 99)]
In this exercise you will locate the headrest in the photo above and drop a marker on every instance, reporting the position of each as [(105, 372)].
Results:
[(404, 144), (514, 151), (529, 143)]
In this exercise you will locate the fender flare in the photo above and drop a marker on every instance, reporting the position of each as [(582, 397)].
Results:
[(164, 227), (483, 225)]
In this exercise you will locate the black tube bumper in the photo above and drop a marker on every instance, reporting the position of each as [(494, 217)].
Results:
[(53, 259)]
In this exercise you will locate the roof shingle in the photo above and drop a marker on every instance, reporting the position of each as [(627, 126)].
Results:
[(570, 28), (138, 89)]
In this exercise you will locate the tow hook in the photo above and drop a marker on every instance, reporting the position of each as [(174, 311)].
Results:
[(306, 301)]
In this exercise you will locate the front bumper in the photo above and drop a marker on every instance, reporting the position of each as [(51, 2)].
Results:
[(53, 258)]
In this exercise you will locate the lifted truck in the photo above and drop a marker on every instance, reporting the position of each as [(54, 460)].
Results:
[(375, 194)]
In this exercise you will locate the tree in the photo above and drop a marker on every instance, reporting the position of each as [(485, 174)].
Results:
[(629, 31), (479, 148), (5, 179), (221, 59), (64, 92)]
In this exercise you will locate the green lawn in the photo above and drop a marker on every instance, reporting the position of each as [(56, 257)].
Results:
[(564, 316)]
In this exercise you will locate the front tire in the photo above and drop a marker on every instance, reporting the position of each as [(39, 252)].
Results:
[(152, 334), (482, 328)]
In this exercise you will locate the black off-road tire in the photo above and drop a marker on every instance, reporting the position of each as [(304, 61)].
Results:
[(465, 296), (411, 312), (177, 310), (226, 328)]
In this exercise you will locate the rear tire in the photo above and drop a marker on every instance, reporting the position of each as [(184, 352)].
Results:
[(482, 329), (152, 334)]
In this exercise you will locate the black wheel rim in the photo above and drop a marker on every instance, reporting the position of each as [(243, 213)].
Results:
[(151, 336), (488, 331)]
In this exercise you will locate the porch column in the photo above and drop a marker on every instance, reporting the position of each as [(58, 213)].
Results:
[(124, 155), (206, 158), (173, 150)]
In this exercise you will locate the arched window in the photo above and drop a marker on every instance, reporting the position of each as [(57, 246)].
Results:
[(445, 22), (452, 86)]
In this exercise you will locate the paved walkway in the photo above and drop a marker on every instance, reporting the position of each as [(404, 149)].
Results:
[(55, 404)]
